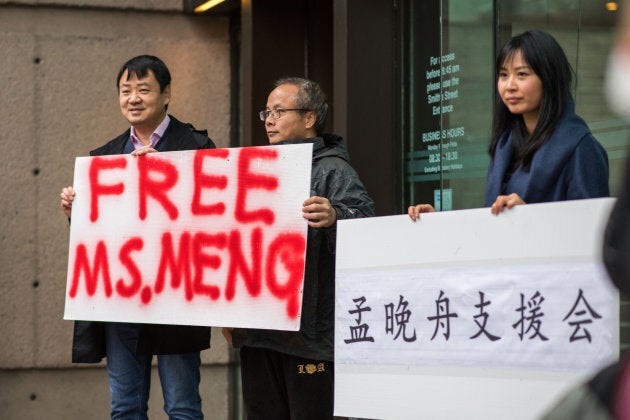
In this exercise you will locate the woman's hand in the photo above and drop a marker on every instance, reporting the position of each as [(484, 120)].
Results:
[(504, 201), (414, 211)]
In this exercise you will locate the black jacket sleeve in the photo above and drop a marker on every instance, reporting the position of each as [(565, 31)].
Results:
[(616, 250)]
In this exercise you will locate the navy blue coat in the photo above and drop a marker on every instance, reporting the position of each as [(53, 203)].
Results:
[(570, 165)]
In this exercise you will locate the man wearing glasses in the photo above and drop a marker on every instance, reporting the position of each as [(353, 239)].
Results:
[(287, 374)]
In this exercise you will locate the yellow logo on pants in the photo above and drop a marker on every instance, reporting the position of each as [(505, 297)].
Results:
[(311, 368)]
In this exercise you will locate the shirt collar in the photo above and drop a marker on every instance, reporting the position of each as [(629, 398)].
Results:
[(155, 137)]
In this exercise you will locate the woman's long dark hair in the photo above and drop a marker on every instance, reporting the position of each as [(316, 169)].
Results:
[(546, 58)]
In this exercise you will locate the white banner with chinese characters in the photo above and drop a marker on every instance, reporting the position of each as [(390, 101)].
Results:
[(467, 314)]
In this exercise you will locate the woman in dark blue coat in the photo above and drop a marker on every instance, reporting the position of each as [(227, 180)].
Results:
[(540, 150)]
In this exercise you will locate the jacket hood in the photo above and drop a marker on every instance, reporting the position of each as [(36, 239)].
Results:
[(328, 145), (333, 146)]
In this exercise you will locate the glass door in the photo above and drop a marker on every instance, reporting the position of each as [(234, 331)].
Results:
[(449, 80)]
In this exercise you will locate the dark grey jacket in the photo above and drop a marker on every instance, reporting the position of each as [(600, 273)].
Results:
[(88, 344), (331, 177)]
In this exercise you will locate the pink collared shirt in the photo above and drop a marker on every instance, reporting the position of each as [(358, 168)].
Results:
[(155, 136)]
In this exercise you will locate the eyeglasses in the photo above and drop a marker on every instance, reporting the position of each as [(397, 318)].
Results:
[(277, 113)]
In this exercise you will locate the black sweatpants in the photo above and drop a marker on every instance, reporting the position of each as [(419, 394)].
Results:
[(283, 387)]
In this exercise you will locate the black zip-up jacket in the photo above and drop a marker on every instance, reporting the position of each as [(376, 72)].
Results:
[(616, 250), (331, 177)]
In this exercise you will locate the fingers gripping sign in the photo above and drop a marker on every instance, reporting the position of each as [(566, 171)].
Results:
[(319, 212), (504, 201), (67, 197), (143, 151), (414, 211)]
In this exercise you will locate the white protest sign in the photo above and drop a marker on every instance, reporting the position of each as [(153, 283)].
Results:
[(464, 314), (206, 237)]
